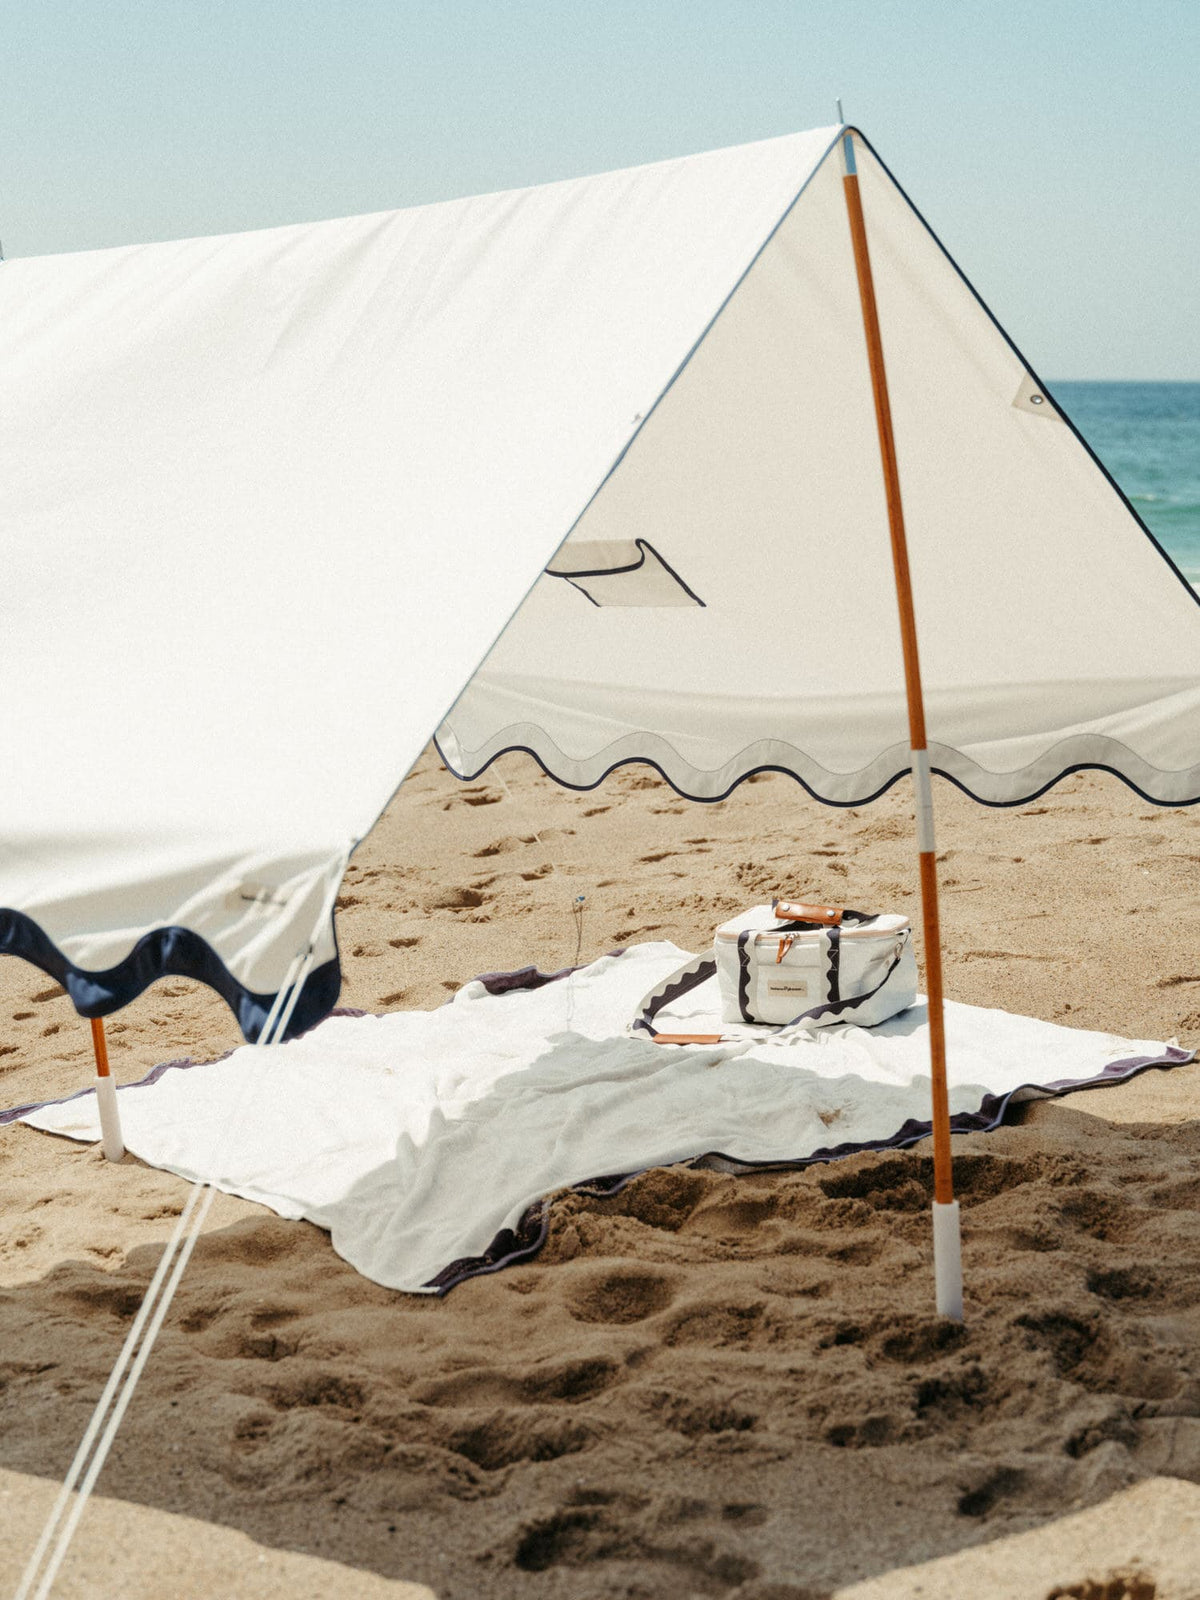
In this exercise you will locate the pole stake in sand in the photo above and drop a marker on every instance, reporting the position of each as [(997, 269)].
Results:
[(111, 1141), (947, 1240)]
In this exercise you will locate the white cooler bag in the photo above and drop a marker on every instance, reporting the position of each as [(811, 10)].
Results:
[(800, 965)]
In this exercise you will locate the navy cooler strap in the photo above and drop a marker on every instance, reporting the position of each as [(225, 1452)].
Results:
[(838, 1008), (743, 992), (834, 945), (701, 968), (682, 981)]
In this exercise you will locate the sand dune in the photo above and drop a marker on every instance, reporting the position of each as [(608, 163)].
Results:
[(708, 1385)]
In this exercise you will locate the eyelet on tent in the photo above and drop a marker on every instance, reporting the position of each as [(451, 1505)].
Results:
[(621, 572), (1029, 397)]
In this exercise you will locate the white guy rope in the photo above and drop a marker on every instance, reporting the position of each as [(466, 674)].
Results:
[(204, 1193), (106, 1397), (154, 1307)]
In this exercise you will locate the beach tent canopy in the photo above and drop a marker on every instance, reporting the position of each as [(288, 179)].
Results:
[(269, 500)]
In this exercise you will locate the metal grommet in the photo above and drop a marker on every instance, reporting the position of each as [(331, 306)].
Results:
[(1036, 400)]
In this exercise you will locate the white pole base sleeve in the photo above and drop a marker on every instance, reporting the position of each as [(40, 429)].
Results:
[(111, 1141), (947, 1260)]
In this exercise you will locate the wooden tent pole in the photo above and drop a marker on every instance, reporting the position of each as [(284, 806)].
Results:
[(946, 1239), (100, 1048), (111, 1140)]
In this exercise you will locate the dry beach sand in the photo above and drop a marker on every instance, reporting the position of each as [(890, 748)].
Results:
[(709, 1385)]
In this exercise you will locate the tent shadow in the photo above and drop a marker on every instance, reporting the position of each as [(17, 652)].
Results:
[(245, 1415), (687, 1341)]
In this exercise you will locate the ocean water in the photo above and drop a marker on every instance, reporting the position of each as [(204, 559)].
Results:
[(1148, 436)]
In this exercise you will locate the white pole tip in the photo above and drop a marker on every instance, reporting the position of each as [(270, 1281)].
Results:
[(947, 1260), (111, 1141)]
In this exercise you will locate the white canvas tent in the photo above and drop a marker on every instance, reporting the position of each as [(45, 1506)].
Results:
[(270, 500), (1053, 632)]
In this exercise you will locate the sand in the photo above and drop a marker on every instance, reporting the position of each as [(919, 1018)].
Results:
[(709, 1385)]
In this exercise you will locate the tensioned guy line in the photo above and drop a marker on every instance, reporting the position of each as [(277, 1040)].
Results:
[(88, 1462)]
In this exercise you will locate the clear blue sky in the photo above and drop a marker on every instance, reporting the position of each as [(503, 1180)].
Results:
[(1052, 143)]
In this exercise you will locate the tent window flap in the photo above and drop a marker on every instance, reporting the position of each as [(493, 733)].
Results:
[(622, 572)]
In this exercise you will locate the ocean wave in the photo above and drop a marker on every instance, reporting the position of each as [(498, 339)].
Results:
[(1171, 502)]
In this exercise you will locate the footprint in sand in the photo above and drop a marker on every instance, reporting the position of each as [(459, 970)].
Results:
[(1003, 955), (500, 847), (726, 1218), (872, 1431), (732, 1325), (502, 1438), (696, 1419), (919, 1339), (405, 941), (885, 829), (858, 1253), (621, 1295), (1103, 1216), (54, 992), (999, 1485), (464, 899), (318, 1388), (592, 1529), (233, 1337), (546, 1382)]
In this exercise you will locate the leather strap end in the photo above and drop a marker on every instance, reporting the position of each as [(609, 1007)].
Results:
[(798, 911)]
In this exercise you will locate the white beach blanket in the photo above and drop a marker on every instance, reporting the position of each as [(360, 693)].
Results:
[(416, 1137)]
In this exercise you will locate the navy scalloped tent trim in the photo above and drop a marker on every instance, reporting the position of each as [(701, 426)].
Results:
[(165, 953)]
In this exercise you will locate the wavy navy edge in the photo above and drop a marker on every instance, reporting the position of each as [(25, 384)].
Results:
[(172, 952), (771, 766)]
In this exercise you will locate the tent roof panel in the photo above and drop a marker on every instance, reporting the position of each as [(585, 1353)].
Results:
[(1042, 604), (270, 499)]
